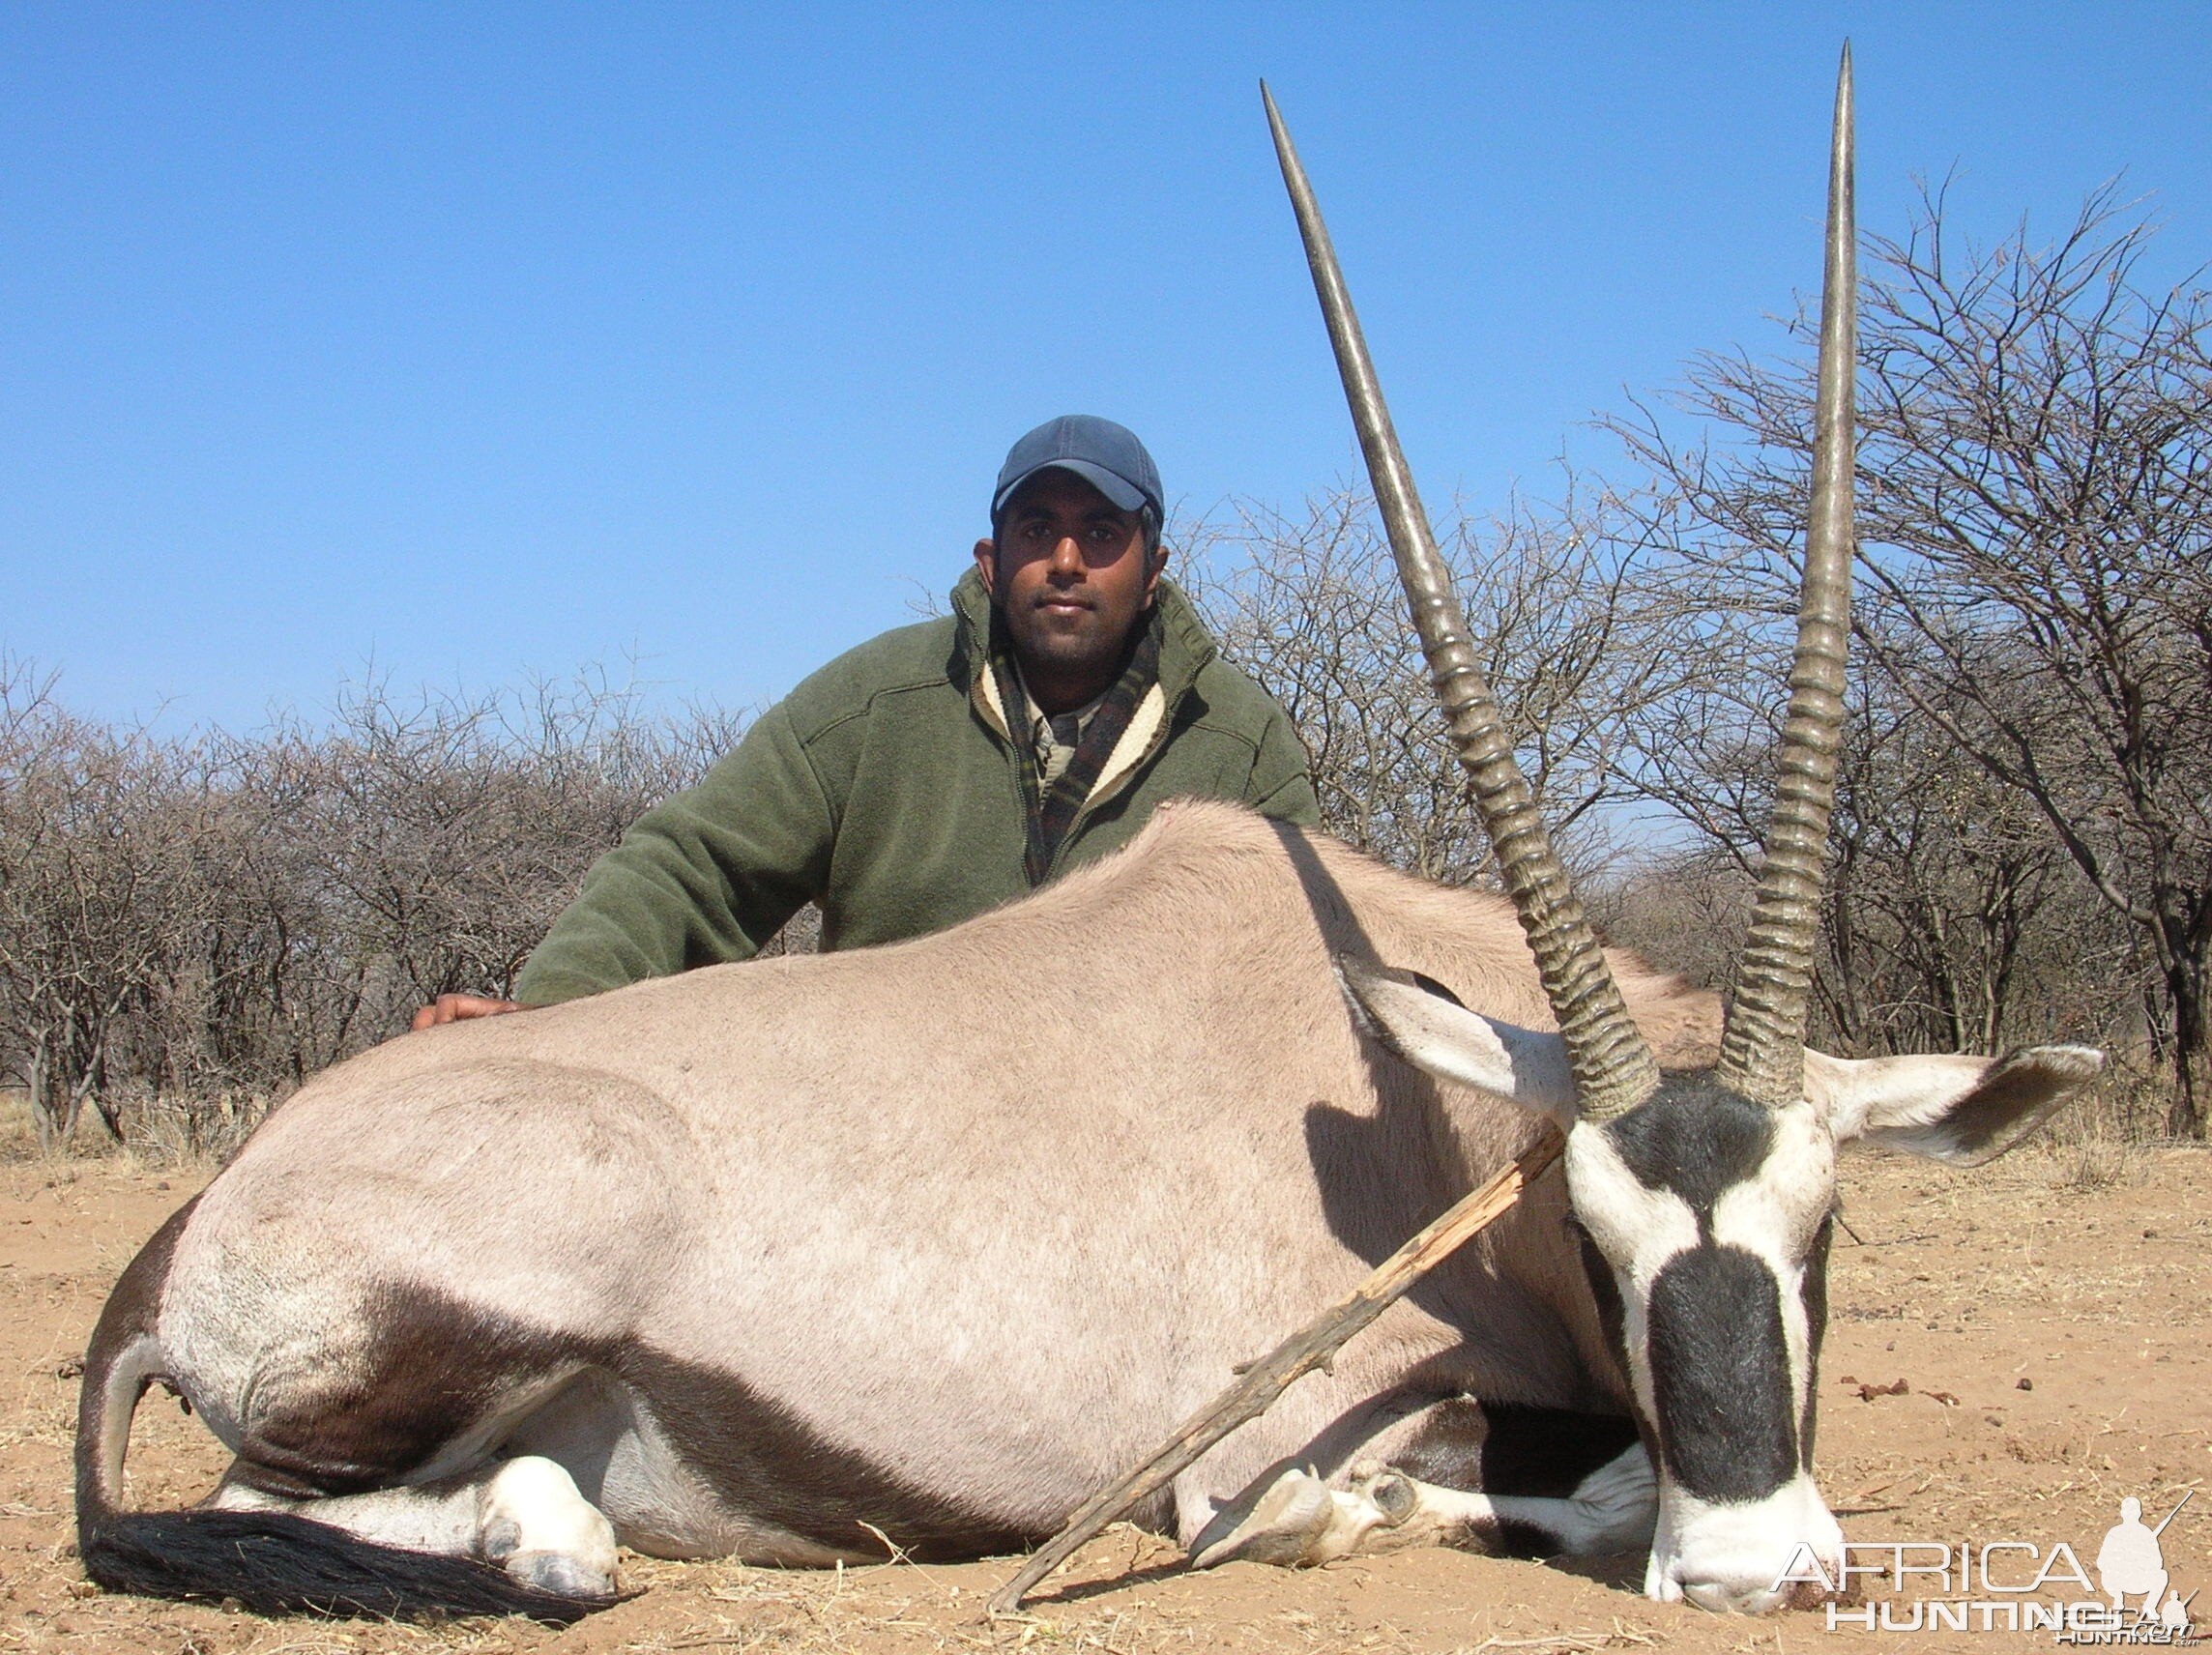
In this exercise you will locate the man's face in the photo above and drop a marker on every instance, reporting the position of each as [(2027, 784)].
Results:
[(1070, 571)]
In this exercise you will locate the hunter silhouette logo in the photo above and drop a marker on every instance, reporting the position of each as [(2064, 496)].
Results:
[(2012, 1586), (2130, 1560)]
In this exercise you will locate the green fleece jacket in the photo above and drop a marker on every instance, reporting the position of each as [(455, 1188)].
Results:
[(885, 789)]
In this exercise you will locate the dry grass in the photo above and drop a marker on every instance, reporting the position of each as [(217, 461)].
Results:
[(162, 1135)]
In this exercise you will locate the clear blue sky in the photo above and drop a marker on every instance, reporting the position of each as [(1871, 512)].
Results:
[(479, 340)]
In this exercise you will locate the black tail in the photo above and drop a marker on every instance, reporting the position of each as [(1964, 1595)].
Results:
[(268, 1561), (276, 1564)]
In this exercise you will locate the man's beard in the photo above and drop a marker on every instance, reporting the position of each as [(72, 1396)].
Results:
[(1086, 650)]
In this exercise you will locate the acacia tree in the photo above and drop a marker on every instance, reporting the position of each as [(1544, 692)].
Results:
[(1310, 606), (436, 837), (2036, 522), (101, 831), (205, 919)]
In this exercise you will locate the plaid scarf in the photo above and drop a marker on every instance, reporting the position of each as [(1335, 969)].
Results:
[(1051, 812)]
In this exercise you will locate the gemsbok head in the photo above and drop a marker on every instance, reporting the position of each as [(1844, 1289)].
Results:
[(1704, 1199)]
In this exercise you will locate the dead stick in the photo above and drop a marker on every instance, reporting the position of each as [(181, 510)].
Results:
[(1273, 1374)]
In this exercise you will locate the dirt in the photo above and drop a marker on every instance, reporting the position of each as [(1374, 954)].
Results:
[(2011, 1352)]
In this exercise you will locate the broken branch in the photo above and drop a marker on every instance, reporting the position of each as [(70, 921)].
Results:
[(1265, 1379)]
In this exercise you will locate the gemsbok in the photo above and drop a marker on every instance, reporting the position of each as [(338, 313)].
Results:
[(921, 1244)]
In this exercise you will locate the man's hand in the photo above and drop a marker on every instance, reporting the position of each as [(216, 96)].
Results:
[(453, 1007)]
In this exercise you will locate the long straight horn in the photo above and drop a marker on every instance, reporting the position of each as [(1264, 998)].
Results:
[(1763, 1052), (1614, 1070)]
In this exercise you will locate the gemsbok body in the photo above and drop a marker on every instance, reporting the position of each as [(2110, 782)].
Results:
[(801, 1259)]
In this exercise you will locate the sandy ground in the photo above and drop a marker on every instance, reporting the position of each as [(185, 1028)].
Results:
[(2047, 1317)]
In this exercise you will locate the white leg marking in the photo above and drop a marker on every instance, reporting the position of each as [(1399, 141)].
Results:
[(1298, 1520), (439, 1517), (1613, 1509), (524, 1515), (531, 1521)]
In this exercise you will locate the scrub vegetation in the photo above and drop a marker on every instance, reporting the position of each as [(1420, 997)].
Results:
[(189, 924)]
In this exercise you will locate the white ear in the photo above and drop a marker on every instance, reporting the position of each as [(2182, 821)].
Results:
[(1425, 1023), (1962, 1110)]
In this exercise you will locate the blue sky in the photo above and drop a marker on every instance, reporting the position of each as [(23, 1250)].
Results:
[(475, 342)]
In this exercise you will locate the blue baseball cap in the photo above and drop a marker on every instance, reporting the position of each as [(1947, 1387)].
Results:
[(1105, 455)]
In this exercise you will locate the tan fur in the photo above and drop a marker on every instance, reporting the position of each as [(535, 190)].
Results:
[(1069, 1161)]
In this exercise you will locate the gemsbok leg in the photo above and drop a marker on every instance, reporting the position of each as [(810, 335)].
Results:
[(524, 1515), (1512, 1481)]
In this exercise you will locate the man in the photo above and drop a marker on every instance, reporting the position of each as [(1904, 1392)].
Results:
[(948, 768)]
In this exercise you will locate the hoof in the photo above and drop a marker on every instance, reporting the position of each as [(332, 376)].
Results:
[(1281, 1526), (561, 1574), (1392, 1493), (533, 1522)]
